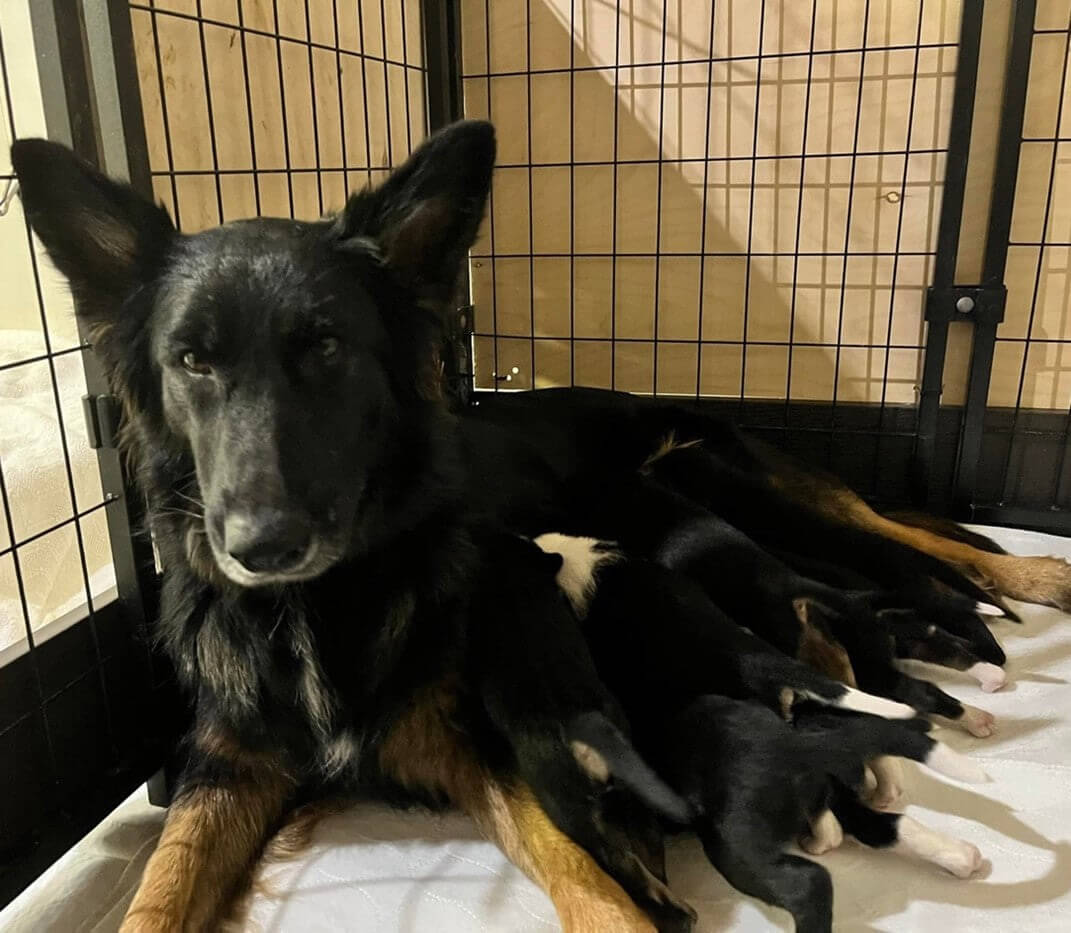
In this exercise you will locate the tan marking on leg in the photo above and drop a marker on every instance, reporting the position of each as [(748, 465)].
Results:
[(821, 651), (888, 781), (425, 750), (826, 834), (211, 839), (212, 836)]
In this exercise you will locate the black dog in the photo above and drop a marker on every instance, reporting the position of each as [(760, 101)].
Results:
[(304, 479)]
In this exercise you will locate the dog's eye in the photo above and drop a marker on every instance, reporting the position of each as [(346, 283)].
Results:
[(328, 347), (193, 365)]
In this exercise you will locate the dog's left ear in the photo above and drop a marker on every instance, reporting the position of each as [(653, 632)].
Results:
[(424, 218)]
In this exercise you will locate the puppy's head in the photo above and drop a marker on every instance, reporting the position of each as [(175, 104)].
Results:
[(281, 364)]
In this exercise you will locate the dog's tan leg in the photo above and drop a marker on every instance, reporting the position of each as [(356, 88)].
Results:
[(425, 750), (1043, 580), (211, 838)]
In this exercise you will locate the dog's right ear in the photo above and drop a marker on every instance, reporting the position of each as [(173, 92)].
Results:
[(424, 217), (101, 234)]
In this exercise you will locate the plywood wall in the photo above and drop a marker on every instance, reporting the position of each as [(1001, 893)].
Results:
[(275, 107), (744, 207)]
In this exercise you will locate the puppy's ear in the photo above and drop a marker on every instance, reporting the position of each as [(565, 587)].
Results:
[(101, 234), (424, 218)]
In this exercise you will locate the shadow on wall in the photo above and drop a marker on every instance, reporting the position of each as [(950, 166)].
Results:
[(700, 263)]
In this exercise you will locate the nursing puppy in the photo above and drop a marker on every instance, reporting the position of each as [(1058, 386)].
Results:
[(758, 784), (566, 732), (843, 634), (692, 648)]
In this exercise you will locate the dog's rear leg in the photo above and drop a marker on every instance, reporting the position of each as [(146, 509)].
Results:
[(212, 836), (1042, 580), (425, 751)]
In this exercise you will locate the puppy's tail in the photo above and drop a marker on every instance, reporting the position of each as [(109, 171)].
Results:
[(862, 738), (603, 751)]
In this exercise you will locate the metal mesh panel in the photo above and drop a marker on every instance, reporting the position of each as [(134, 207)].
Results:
[(737, 205), (1024, 462)]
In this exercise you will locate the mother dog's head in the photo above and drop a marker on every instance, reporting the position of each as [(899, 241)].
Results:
[(274, 371)]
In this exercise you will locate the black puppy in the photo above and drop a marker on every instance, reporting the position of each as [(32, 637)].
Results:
[(758, 784), (567, 733), (692, 648)]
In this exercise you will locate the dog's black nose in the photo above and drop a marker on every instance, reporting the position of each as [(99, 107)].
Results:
[(267, 540)]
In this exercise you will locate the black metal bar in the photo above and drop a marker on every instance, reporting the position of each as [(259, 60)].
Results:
[(703, 215), (751, 201), (899, 233), (948, 234), (282, 105), (313, 108), (661, 145), (831, 447), (983, 343), (799, 213), (130, 110)]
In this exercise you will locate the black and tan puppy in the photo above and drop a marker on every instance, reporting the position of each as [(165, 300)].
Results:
[(758, 784), (566, 732)]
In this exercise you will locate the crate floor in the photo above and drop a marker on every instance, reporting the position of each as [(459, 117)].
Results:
[(372, 868)]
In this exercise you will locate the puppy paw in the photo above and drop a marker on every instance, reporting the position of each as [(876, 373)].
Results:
[(962, 859), (886, 798), (826, 834), (978, 722), (990, 677)]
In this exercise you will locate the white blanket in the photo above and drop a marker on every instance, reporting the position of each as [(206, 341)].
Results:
[(380, 870)]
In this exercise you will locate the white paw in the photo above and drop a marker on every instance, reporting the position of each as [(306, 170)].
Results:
[(962, 860), (978, 722), (990, 677)]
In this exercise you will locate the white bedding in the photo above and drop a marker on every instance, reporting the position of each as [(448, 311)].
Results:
[(380, 870)]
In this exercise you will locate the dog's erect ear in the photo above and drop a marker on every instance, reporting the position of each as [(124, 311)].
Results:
[(424, 218), (101, 234)]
